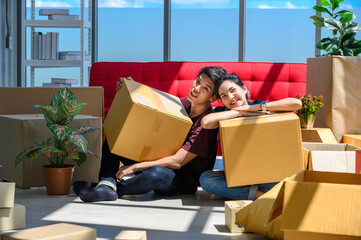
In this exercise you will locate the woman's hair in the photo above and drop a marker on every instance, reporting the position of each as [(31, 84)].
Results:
[(230, 77)]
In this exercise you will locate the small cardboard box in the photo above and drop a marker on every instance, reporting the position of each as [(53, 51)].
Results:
[(145, 124), (20, 131), (131, 235), (230, 210), (352, 139), (59, 231), (323, 135), (7, 190), (320, 205), (261, 149), (12, 218), (333, 157)]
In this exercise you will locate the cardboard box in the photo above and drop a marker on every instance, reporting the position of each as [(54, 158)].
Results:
[(131, 235), (320, 205), (323, 135), (19, 131), (7, 190), (352, 139), (230, 210), (261, 149), (145, 124), (333, 157), (60, 231), (12, 218), (14, 104)]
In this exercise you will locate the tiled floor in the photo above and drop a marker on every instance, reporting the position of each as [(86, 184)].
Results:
[(180, 217)]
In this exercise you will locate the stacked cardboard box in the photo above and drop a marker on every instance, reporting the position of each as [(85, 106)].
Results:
[(230, 210), (145, 124), (333, 157), (261, 149), (352, 139), (320, 205), (12, 216), (20, 131), (59, 231)]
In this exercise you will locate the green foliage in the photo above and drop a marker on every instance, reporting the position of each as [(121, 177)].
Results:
[(310, 106), (67, 142), (343, 29)]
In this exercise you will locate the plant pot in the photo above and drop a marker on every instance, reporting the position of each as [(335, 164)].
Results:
[(309, 124), (58, 180)]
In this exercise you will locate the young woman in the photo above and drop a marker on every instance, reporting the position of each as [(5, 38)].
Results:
[(233, 94)]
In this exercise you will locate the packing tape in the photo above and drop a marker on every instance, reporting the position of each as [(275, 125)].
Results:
[(157, 123), (144, 153), (158, 101)]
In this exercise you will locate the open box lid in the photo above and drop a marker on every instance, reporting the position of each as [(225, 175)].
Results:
[(322, 202)]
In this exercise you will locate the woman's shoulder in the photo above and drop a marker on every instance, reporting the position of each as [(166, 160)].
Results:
[(220, 109)]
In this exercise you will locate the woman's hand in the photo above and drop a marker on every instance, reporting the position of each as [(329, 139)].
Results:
[(249, 110), (125, 171), (120, 82)]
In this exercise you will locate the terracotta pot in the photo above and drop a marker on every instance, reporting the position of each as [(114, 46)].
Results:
[(310, 122), (58, 180)]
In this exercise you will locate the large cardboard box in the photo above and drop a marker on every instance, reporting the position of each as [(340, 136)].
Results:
[(12, 218), (20, 100), (320, 205), (323, 135), (19, 131), (352, 139), (59, 231), (131, 235), (230, 210), (7, 193), (261, 149), (145, 124), (333, 157)]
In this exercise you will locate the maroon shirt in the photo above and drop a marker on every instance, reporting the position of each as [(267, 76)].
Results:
[(203, 143)]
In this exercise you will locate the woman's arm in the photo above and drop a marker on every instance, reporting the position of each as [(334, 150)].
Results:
[(283, 105)]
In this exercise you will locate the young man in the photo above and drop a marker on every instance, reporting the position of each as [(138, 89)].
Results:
[(176, 174)]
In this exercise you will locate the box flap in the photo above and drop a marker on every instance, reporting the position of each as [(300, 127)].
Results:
[(324, 146)]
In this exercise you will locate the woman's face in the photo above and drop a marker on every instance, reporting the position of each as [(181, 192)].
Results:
[(232, 95)]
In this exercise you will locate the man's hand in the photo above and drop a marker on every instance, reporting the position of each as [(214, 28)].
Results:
[(120, 82), (125, 171)]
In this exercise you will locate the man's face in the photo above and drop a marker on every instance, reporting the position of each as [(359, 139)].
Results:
[(202, 90)]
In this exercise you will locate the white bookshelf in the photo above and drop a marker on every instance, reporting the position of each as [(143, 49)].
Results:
[(33, 24)]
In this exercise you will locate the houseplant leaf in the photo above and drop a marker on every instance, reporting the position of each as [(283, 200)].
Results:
[(25, 152), (321, 9), (83, 130), (61, 96), (60, 130), (325, 3), (78, 140), (70, 109), (50, 114), (78, 157), (318, 21), (332, 24)]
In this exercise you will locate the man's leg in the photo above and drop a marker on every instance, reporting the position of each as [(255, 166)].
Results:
[(215, 182)]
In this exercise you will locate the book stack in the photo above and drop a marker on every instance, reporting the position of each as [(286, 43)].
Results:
[(61, 82), (73, 55), (46, 45), (58, 14)]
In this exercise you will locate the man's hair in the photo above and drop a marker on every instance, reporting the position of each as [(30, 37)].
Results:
[(214, 73), (229, 77)]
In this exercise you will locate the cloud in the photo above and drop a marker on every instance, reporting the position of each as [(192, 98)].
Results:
[(189, 2), (39, 3), (347, 6), (288, 5), (115, 4)]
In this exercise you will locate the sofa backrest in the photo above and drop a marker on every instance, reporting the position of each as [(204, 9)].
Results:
[(265, 81)]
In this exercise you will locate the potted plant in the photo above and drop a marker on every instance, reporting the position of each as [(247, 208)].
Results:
[(310, 106), (67, 142), (335, 74)]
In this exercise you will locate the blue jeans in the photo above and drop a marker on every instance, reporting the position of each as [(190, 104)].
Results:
[(215, 182), (160, 179)]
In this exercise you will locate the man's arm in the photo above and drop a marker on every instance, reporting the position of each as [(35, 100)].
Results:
[(176, 161)]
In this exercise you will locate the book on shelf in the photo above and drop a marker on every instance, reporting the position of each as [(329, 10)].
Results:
[(64, 80), (63, 17), (61, 85), (51, 11), (36, 45), (73, 57), (54, 45), (71, 53), (45, 46), (48, 46)]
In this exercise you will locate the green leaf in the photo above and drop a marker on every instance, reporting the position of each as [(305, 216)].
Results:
[(78, 157), (348, 39), (325, 3), (356, 51), (355, 44), (83, 130), (318, 21), (321, 9), (348, 52), (70, 109), (347, 17), (50, 114), (79, 141), (351, 27), (332, 24), (60, 130), (61, 96), (335, 4), (25, 152)]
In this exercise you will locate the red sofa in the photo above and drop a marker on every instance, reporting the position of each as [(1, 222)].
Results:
[(265, 81)]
